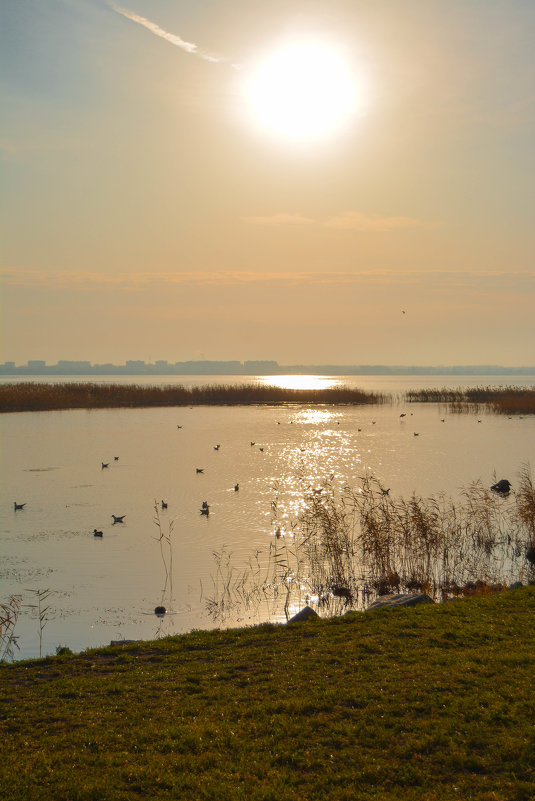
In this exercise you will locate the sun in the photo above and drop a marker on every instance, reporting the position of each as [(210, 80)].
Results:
[(302, 90)]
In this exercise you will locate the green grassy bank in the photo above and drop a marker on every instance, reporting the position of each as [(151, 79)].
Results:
[(433, 702)]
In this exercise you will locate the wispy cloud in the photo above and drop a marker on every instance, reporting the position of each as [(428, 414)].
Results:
[(280, 219), (347, 221), (488, 281), (172, 38), (357, 221)]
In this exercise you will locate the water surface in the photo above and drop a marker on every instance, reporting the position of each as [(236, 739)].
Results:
[(107, 588)]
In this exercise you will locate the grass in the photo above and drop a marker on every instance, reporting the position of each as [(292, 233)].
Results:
[(33, 396), (435, 702)]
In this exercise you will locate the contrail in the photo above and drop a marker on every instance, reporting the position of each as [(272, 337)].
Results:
[(189, 47)]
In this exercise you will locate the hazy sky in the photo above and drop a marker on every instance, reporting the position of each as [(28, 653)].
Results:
[(181, 179)]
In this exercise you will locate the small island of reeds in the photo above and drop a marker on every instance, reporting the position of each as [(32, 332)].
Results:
[(501, 400), (34, 396)]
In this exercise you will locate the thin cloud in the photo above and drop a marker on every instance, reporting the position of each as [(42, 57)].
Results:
[(172, 38), (280, 219), (357, 221), (503, 282), (348, 221)]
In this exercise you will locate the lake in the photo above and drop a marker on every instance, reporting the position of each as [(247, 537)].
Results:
[(105, 589)]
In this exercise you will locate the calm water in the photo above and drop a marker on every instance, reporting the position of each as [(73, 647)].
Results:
[(104, 589)]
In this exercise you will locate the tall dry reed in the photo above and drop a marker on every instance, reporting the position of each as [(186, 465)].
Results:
[(347, 547)]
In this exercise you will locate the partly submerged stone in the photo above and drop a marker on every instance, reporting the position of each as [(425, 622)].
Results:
[(403, 599), (306, 613)]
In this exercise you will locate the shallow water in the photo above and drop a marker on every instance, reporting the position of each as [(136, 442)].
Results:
[(106, 588)]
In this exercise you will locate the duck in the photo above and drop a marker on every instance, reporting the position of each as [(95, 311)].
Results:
[(236, 487), (216, 447), (97, 533), (18, 506), (118, 519), (502, 487), (160, 611)]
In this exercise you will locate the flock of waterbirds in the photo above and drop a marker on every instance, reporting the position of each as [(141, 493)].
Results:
[(501, 487)]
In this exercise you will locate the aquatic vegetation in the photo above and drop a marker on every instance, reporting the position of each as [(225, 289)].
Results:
[(9, 613), (33, 396), (42, 612), (501, 400), (165, 541), (347, 548)]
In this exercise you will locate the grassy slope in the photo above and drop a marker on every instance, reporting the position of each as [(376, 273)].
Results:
[(434, 702)]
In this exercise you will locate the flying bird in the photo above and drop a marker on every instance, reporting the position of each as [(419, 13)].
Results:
[(199, 469), (118, 519), (18, 506), (105, 464)]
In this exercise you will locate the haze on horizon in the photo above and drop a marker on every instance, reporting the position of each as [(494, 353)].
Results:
[(166, 197)]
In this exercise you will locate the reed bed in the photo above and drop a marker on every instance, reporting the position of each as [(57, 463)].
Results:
[(347, 548), (501, 400), (34, 396)]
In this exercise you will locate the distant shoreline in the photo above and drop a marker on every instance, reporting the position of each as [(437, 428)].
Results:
[(251, 368)]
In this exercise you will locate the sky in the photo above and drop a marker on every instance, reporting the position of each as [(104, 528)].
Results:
[(346, 182)]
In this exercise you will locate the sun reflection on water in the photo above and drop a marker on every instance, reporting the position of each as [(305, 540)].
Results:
[(300, 381)]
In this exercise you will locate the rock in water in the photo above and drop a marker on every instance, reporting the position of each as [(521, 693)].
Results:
[(404, 599), (305, 614)]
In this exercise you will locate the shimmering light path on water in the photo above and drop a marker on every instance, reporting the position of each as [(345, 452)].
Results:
[(107, 588)]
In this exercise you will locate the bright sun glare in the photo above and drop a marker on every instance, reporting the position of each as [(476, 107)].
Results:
[(303, 90)]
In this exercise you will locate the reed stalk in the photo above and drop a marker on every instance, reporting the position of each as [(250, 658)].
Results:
[(351, 546)]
